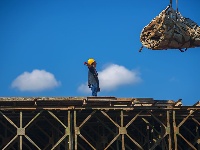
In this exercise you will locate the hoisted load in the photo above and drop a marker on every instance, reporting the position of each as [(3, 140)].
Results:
[(170, 30)]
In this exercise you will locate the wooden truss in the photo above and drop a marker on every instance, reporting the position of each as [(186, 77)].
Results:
[(98, 123)]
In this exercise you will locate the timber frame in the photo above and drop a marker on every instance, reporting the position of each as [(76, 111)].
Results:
[(98, 123)]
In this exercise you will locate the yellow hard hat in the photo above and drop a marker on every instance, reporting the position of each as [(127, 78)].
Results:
[(90, 61)]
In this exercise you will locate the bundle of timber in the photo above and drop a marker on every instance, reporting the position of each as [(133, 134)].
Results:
[(170, 30)]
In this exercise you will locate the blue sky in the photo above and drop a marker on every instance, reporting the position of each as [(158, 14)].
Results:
[(43, 44)]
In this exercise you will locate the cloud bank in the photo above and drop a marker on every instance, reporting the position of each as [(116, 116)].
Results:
[(112, 77), (37, 80)]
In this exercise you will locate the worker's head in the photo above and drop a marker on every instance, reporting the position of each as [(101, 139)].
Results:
[(91, 61)]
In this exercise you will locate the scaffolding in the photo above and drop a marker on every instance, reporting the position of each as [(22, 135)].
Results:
[(98, 123)]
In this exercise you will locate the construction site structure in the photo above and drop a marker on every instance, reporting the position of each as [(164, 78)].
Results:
[(98, 123)]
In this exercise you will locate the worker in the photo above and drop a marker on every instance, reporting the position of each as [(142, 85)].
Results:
[(93, 80)]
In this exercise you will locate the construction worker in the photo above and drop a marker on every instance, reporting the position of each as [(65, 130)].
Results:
[(93, 80)]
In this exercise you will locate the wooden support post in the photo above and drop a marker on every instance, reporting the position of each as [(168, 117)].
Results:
[(75, 132), (175, 131), (169, 131)]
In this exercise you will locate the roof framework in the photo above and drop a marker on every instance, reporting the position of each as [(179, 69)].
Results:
[(98, 123)]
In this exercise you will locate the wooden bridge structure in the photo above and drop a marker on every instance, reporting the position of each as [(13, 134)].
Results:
[(98, 123)]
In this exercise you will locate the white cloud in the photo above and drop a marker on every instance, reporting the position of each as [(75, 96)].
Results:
[(84, 88), (37, 80), (113, 76)]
